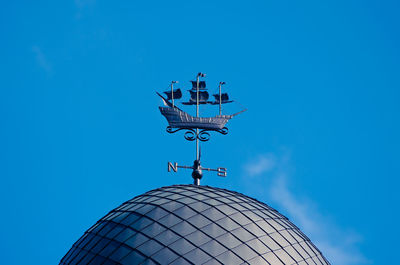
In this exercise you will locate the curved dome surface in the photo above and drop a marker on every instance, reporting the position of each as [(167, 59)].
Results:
[(188, 224)]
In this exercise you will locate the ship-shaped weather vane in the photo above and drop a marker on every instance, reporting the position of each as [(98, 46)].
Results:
[(196, 128)]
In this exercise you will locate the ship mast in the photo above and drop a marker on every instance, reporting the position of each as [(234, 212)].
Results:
[(220, 96), (172, 92)]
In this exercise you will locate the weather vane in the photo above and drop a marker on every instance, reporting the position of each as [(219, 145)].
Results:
[(196, 128)]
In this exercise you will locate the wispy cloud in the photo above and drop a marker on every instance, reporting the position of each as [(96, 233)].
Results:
[(338, 244), (81, 5), (41, 59), (261, 164)]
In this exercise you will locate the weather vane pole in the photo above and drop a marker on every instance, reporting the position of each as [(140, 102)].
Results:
[(196, 128), (197, 110)]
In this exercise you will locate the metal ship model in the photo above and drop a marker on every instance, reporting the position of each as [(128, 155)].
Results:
[(180, 119)]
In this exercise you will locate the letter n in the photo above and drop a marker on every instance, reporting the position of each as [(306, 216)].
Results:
[(173, 166)]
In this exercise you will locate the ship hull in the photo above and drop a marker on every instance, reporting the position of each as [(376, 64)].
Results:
[(180, 119)]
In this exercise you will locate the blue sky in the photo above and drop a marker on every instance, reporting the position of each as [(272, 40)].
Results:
[(81, 131)]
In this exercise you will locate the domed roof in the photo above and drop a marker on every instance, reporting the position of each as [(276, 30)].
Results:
[(189, 224)]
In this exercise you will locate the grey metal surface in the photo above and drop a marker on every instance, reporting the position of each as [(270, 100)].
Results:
[(188, 224)]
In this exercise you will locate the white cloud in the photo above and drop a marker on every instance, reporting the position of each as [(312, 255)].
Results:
[(41, 59), (338, 244), (260, 165)]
